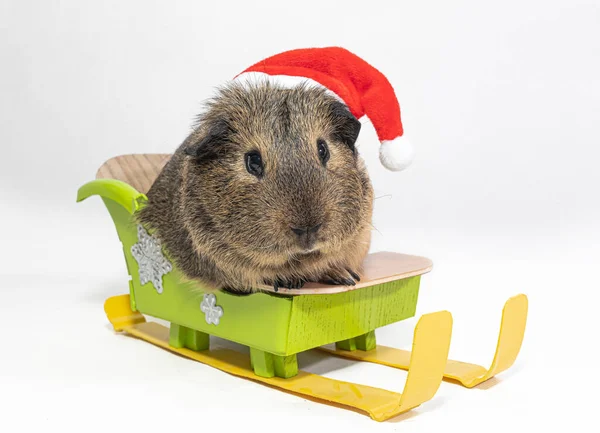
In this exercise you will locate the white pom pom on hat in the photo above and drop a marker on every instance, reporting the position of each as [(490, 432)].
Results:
[(396, 154), (364, 89)]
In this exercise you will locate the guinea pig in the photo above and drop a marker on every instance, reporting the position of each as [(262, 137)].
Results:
[(268, 189)]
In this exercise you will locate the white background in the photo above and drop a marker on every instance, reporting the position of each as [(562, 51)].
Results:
[(502, 102)]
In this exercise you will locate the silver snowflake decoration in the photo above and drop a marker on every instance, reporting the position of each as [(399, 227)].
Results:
[(151, 261), (209, 307)]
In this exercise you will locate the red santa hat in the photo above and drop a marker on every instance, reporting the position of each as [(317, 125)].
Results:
[(364, 89)]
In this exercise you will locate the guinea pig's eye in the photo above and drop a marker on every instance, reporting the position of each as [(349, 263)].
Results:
[(254, 163), (323, 150)]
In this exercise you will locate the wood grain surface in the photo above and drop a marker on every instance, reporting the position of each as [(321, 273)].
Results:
[(380, 267), (138, 170)]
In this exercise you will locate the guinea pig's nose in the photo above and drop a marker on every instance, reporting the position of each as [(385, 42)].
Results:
[(301, 231)]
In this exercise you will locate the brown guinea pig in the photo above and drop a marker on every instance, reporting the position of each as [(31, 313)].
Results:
[(268, 189)]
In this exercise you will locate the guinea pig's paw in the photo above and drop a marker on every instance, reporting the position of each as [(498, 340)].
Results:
[(354, 274), (339, 277), (296, 284), (288, 283)]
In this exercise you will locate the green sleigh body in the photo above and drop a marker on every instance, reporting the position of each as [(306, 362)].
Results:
[(275, 327)]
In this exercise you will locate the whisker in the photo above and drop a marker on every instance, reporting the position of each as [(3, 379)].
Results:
[(376, 229)]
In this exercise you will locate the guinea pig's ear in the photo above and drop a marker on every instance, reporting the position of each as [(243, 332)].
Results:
[(210, 145), (346, 126)]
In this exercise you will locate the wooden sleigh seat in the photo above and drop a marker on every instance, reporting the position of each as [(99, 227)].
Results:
[(138, 170)]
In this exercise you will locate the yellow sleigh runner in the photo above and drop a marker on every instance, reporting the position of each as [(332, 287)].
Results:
[(512, 331), (290, 321)]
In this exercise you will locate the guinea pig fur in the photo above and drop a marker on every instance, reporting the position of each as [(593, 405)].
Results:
[(268, 189)]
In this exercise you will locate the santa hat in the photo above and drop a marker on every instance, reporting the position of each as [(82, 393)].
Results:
[(364, 89)]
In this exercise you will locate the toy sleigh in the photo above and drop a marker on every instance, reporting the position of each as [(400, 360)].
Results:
[(337, 320)]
